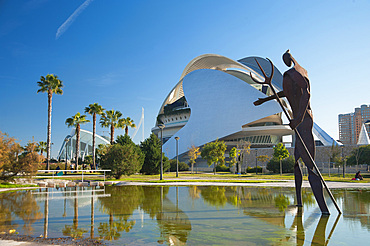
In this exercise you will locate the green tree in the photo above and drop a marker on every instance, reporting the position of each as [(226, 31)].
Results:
[(50, 84), (214, 153), (112, 119), (280, 152), (122, 160), (101, 151), (126, 140), (76, 121), (94, 109), (151, 147), (193, 155), (233, 154), (360, 155)]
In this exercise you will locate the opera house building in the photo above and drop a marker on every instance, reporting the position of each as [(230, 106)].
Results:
[(214, 100)]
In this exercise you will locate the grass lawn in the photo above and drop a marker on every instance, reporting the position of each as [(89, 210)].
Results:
[(9, 185), (207, 177)]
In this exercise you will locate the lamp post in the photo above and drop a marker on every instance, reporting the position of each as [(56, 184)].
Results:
[(66, 142), (256, 162), (161, 126), (177, 156), (344, 162)]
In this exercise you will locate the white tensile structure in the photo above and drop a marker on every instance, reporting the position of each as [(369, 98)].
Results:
[(363, 138), (214, 100), (69, 144)]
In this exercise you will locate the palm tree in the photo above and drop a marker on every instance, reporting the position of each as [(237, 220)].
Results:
[(113, 120), (93, 110), (128, 123), (41, 147), (51, 84), (75, 121)]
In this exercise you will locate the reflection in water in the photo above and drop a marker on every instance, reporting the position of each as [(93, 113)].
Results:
[(298, 228), (173, 223), (46, 213), (195, 215), (18, 204)]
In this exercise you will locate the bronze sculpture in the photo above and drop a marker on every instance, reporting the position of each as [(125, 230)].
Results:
[(296, 88)]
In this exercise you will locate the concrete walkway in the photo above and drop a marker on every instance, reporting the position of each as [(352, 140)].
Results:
[(280, 183)]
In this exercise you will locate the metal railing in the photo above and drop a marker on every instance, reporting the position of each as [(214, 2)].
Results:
[(75, 171)]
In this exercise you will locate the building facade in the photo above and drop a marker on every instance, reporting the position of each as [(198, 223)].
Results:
[(68, 149), (214, 100), (350, 124)]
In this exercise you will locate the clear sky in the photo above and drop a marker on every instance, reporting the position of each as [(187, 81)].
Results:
[(126, 55)]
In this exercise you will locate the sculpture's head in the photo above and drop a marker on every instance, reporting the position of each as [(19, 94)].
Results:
[(287, 58)]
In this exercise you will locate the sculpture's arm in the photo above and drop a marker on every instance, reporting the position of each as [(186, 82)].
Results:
[(265, 99)]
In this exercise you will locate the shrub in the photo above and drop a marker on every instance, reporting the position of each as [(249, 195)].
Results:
[(287, 165), (182, 166), (222, 168), (253, 169), (122, 160)]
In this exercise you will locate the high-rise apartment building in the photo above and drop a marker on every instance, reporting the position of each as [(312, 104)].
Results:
[(350, 124)]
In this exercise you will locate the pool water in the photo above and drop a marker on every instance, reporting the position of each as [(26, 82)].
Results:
[(187, 215)]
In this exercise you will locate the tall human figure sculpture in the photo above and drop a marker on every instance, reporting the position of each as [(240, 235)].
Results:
[(296, 88)]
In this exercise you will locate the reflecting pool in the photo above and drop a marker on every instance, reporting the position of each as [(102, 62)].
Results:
[(193, 215)]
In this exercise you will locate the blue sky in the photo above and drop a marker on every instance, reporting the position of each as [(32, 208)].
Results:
[(128, 55)]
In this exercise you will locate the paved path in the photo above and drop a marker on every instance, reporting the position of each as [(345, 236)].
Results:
[(282, 183)]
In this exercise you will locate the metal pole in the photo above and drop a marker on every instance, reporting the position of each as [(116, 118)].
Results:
[(66, 165), (256, 162), (177, 156), (344, 162), (161, 154), (161, 126)]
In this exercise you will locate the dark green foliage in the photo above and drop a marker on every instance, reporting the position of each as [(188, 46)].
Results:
[(151, 147), (222, 168), (88, 160), (122, 160), (124, 139), (274, 165), (182, 166), (253, 169), (362, 154)]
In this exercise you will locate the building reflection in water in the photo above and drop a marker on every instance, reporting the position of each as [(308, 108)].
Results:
[(173, 223), (120, 205)]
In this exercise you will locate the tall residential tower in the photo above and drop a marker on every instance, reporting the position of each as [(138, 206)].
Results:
[(350, 124)]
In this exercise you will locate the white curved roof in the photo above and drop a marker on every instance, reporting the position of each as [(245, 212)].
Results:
[(85, 138), (217, 62)]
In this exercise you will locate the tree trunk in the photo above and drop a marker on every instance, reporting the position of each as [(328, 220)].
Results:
[(50, 97), (111, 134), (75, 217), (93, 142), (77, 144), (281, 168), (126, 130)]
